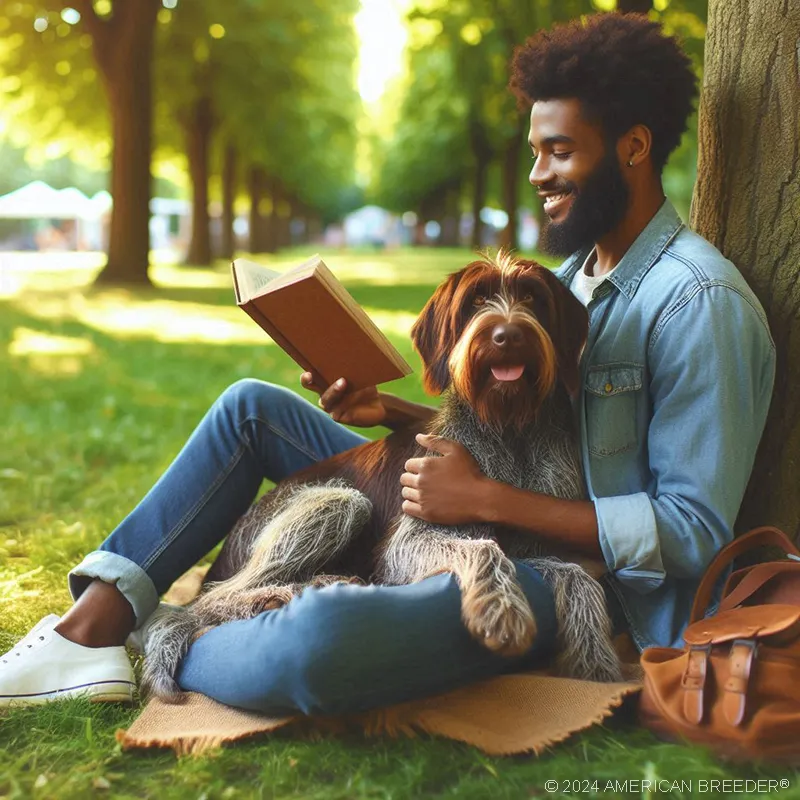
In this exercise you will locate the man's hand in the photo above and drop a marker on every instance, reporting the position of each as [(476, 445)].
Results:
[(362, 407), (450, 490)]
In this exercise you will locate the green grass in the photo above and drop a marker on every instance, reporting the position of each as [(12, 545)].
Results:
[(98, 391)]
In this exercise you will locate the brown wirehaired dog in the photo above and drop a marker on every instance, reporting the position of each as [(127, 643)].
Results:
[(502, 338)]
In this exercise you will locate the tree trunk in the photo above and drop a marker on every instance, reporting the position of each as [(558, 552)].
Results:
[(747, 202), (451, 217), (482, 153), (511, 158), (255, 186), (272, 222), (228, 246), (634, 6), (123, 49), (198, 126)]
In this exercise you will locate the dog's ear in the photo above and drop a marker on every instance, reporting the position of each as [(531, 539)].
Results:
[(569, 330), (432, 335)]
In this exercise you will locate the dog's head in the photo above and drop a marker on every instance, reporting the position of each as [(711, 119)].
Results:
[(501, 333)]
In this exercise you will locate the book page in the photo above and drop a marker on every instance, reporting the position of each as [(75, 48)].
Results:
[(252, 278)]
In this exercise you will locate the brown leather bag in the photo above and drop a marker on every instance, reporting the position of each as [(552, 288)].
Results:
[(735, 686)]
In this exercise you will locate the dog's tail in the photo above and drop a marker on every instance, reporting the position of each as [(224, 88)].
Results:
[(585, 649), (166, 642)]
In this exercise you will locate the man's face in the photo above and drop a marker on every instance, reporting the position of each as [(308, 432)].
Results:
[(577, 176)]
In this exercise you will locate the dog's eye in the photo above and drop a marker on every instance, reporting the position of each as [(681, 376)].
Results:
[(528, 298), (479, 300)]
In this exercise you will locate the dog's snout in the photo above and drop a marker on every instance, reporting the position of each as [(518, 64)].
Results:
[(507, 333)]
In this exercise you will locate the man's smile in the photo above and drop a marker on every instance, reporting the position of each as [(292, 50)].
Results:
[(556, 202)]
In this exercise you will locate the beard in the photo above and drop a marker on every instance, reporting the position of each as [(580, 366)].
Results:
[(598, 206)]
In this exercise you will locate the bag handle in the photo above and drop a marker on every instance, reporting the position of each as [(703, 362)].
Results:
[(758, 537)]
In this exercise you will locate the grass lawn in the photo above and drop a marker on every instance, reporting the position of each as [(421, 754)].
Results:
[(99, 391)]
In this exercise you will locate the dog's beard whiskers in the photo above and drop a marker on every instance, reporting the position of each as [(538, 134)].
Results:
[(499, 403)]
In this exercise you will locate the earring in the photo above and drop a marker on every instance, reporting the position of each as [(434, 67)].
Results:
[(630, 163)]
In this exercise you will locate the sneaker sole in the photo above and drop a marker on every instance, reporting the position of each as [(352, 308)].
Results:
[(106, 692)]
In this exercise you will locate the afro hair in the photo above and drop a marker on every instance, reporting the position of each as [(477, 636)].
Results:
[(622, 67)]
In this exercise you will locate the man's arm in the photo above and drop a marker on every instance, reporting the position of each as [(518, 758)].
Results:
[(452, 490), (566, 523), (712, 362), (366, 408), (401, 413)]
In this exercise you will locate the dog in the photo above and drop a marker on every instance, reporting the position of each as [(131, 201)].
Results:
[(502, 340)]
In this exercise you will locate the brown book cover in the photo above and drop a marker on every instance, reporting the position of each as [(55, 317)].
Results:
[(308, 312)]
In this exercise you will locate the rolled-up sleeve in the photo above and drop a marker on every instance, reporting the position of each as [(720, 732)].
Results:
[(711, 365)]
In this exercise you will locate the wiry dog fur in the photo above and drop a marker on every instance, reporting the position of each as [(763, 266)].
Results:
[(341, 519)]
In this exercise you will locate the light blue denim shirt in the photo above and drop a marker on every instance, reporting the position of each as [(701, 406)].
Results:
[(677, 378)]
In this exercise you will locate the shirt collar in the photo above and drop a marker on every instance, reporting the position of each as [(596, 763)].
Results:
[(641, 255)]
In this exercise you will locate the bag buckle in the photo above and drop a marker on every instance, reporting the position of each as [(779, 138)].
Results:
[(740, 664), (693, 682)]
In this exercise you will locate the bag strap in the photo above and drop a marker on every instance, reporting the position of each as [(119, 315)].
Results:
[(755, 578), (758, 537)]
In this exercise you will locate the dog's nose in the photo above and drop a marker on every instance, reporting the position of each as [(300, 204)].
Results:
[(506, 333)]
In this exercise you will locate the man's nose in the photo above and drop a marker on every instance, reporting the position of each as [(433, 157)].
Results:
[(540, 175)]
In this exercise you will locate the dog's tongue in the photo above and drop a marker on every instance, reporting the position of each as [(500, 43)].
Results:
[(508, 373)]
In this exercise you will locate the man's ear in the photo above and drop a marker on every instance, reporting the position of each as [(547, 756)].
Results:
[(570, 327), (432, 336)]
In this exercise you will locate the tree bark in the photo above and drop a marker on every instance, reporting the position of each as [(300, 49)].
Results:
[(272, 222), (511, 159), (747, 203), (123, 49), (482, 153), (198, 127), (255, 186), (451, 217), (634, 6), (228, 245)]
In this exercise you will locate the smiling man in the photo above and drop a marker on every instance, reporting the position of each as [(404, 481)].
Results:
[(676, 379), (678, 368)]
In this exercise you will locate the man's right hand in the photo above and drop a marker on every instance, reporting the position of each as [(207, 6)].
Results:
[(362, 408)]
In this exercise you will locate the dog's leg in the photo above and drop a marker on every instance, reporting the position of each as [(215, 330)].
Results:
[(493, 606), (314, 525), (585, 650)]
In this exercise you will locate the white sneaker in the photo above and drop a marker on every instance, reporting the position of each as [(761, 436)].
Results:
[(45, 666)]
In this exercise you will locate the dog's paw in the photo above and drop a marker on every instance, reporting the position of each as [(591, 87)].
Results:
[(505, 625)]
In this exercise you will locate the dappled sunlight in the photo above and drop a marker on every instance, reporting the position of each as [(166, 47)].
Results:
[(174, 276), (127, 315), (21, 273), (48, 354), (13, 587), (392, 323), (25, 342)]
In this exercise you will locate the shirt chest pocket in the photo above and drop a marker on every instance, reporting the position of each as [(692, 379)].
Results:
[(612, 394)]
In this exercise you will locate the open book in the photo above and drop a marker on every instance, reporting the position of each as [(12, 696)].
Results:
[(308, 312)]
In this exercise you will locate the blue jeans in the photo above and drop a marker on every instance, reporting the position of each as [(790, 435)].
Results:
[(339, 649)]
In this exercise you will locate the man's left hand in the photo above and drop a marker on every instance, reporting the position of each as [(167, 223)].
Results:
[(449, 490)]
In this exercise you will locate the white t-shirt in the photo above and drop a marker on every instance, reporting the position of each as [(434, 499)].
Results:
[(585, 281)]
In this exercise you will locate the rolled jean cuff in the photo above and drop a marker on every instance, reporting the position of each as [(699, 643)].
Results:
[(131, 580)]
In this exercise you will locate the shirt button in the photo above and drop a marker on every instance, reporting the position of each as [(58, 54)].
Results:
[(608, 387)]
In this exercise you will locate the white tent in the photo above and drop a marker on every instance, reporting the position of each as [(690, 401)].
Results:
[(37, 200)]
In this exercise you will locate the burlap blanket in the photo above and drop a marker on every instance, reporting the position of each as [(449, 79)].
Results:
[(502, 716)]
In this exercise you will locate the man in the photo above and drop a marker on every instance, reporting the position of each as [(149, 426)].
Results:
[(677, 376)]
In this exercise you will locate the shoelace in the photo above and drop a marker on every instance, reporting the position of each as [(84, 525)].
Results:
[(18, 651)]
